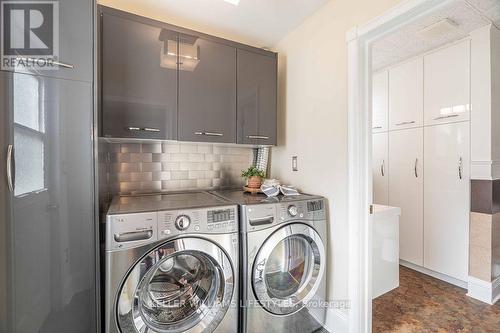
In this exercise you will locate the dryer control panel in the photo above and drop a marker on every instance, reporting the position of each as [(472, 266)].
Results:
[(263, 216)]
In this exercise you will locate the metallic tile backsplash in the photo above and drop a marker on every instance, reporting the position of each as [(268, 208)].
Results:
[(133, 168)]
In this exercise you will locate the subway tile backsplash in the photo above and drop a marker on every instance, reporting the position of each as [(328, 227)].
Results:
[(133, 168)]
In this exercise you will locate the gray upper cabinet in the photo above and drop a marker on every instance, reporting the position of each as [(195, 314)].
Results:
[(257, 78), (75, 42), (207, 91), (139, 79)]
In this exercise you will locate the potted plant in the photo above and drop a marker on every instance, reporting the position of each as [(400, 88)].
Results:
[(254, 176)]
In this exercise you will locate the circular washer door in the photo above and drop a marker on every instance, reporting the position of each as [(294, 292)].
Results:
[(288, 269), (184, 285)]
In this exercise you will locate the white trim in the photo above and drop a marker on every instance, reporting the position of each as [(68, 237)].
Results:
[(337, 321), (434, 274), (359, 41), (487, 292), (485, 170)]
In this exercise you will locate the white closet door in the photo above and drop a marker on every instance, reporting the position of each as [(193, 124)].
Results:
[(447, 85), (446, 203), (406, 95), (406, 190), (380, 162), (380, 101)]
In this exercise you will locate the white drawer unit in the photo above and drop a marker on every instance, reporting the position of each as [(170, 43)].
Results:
[(380, 101), (406, 95), (447, 85)]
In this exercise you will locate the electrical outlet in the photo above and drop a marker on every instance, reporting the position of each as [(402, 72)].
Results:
[(294, 163)]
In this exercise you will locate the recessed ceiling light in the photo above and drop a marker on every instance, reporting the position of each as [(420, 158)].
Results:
[(233, 2)]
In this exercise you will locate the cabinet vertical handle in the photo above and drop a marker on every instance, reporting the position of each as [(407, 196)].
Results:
[(10, 181), (415, 169), (382, 168), (460, 163)]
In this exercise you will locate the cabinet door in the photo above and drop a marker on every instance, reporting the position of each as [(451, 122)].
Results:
[(49, 208), (447, 85), (380, 154), (406, 190), (76, 42), (446, 194), (207, 92), (257, 84), (406, 93), (139, 80), (380, 101)]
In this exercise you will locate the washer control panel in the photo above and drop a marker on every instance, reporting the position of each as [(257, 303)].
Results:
[(209, 220)]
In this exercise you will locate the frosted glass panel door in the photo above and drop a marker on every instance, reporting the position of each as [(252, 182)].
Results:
[(446, 213), (406, 190)]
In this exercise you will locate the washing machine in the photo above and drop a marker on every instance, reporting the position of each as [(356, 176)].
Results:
[(283, 262), (171, 264)]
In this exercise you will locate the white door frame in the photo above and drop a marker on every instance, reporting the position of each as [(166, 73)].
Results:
[(359, 40)]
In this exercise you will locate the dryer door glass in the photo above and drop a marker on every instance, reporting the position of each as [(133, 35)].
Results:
[(175, 289), (288, 269)]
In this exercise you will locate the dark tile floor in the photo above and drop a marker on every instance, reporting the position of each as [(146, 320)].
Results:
[(424, 304)]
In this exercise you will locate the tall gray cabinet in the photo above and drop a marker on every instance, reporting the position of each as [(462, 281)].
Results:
[(47, 228)]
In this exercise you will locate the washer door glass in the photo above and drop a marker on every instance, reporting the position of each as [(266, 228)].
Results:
[(288, 269), (174, 289)]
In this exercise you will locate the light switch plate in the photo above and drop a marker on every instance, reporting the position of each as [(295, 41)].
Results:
[(294, 163)]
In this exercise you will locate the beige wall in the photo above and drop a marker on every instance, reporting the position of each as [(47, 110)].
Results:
[(313, 116)]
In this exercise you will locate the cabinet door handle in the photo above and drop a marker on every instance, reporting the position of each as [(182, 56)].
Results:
[(150, 129), (377, 127), (145, 129), (460, 165), (258, 137), (208, 133), (10, 178), (382, 168), (406, 123), (51, 62), (446, 117), (415, 169)]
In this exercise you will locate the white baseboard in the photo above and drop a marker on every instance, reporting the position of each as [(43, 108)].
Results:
[(337, 321), (487, 292), (439, 276)]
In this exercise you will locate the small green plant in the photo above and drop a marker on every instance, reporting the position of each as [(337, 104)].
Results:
[(253, 172)]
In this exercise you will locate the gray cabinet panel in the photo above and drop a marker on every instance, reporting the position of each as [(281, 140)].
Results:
[(47, 221), (75, 42), (257, 80), (139, 79), (207, 91)]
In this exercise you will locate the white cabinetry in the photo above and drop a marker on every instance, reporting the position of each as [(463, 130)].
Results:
[(446, 202), (406, 95), (380, 101), (380, 160), (447, 85), (406, 186)]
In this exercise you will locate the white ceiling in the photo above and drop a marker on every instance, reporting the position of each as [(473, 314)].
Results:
[(406, 43), (258, 22)]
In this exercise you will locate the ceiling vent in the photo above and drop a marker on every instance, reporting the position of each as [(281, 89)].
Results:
[(438, 29)]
